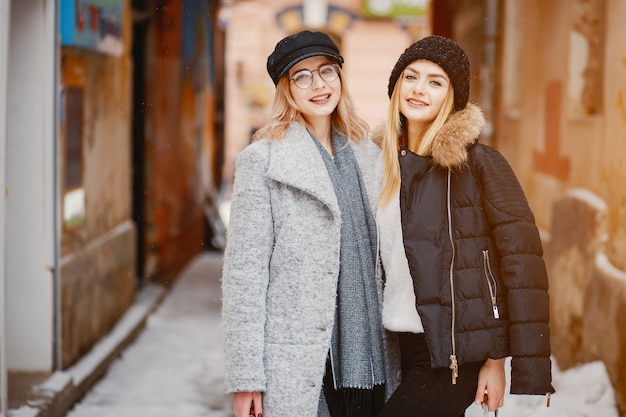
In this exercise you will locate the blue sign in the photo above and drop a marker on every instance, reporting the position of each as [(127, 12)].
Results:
[(92, 24)]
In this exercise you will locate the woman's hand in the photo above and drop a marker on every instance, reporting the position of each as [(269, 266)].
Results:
[(491, 379), (243, 402)]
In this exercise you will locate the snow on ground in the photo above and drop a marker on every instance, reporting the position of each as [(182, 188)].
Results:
[(175, 367), (583, 391)]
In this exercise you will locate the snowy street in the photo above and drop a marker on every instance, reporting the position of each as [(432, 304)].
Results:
[(175, 366)]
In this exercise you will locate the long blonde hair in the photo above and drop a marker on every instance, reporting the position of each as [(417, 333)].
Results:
[(395, 134), (344, 118)]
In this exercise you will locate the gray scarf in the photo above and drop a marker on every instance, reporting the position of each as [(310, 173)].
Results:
[(356, 347)]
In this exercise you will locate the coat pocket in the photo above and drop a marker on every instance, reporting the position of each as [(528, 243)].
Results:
[(294, 378), (492, 284)]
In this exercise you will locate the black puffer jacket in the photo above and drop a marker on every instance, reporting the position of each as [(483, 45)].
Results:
[(475, 256)]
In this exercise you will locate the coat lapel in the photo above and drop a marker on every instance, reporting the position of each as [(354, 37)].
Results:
[(296, 161)]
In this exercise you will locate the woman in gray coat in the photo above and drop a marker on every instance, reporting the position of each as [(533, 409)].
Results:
[(301, 282)]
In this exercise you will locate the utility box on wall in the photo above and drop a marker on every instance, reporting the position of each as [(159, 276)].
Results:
[(92, 24)]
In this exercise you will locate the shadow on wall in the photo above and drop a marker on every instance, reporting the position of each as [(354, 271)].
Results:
[(587, 293)]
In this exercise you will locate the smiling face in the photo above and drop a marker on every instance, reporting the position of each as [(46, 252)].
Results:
[(318, 101), (423, 90)]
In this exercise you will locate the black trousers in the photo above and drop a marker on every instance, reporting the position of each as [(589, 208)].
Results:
[(426, 391)]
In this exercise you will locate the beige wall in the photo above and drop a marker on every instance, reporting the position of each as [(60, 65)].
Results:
[(553, 152), (371, 49), (250, 33), (613, 151), (562, 124)]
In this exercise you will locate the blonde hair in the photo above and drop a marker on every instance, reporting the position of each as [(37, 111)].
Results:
[(344, 118), (395, 134)]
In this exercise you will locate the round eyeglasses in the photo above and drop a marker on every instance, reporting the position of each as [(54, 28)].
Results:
[(304, 78)]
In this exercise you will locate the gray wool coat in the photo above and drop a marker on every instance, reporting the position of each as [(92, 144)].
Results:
[(281, 266)]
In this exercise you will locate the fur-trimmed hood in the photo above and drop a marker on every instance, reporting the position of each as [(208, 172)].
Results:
[(450, 147)]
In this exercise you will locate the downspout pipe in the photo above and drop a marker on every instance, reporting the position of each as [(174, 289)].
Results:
[(4, 52), (53, 22)]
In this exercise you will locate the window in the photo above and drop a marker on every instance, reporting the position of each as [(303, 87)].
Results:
[(72, 127)]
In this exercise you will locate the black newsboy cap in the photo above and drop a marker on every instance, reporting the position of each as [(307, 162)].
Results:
[(295, 48)]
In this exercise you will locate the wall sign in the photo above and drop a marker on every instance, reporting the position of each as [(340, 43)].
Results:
[(337, 20), (395, 8), (92, 24)]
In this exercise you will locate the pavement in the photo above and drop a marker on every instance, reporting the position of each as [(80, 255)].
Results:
[(163, 358)]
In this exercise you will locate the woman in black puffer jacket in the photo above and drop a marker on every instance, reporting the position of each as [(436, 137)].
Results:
[(466, 285)]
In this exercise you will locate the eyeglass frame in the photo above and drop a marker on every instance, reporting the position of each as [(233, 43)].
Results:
[(335, 67)]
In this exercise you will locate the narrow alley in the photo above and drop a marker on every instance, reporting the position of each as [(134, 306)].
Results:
[(175, 367)]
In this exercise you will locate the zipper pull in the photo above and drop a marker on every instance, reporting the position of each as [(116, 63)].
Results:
[(455, 368), (548, 400), (494, 306)]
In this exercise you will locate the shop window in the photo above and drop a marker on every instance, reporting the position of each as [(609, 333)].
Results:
[(74, 137), (72, 126)]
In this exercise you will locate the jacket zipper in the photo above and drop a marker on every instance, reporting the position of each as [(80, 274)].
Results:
[(454, 366), (492, 284)]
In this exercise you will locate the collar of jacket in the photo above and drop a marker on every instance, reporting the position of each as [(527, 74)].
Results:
[(450, 148), (294, 160), (452, 142)]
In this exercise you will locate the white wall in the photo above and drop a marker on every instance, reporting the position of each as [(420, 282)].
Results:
[(29, 178), (4, 40)]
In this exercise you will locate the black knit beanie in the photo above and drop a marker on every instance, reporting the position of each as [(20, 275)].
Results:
[(295, 48), (443, 52)]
